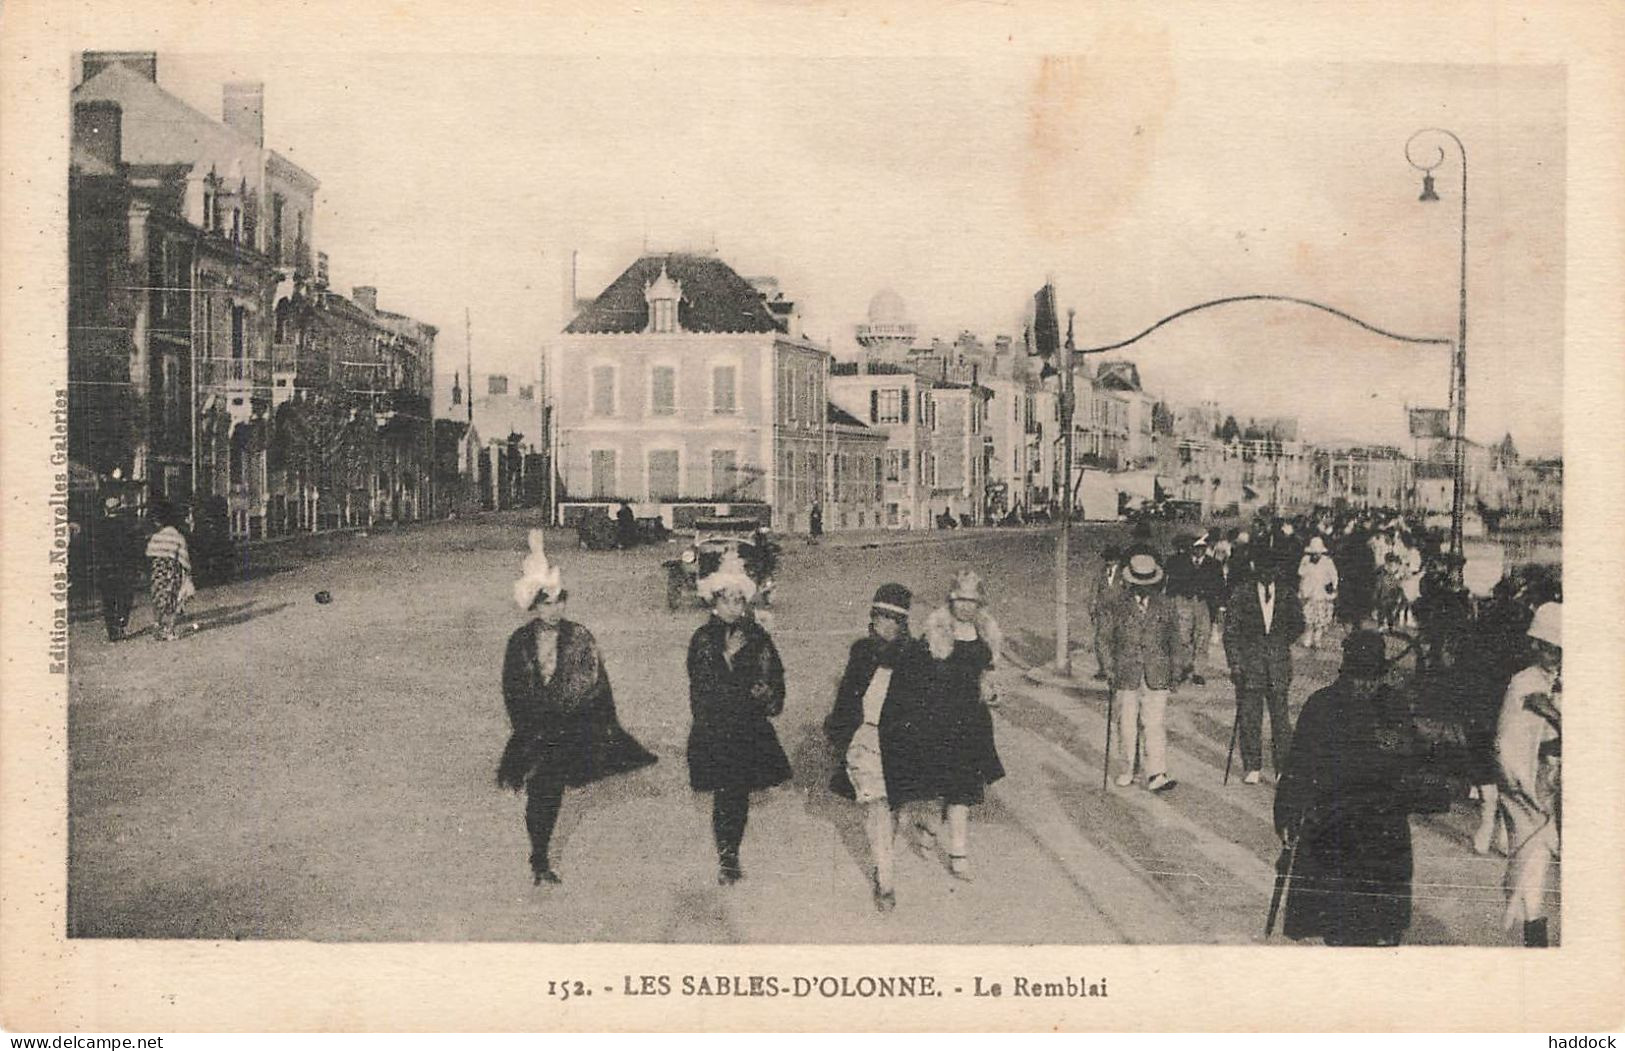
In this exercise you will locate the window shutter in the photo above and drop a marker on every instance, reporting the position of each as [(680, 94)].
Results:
[(874, 406), (904, 399)]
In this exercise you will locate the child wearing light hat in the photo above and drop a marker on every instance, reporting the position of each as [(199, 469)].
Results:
[(735, 686)]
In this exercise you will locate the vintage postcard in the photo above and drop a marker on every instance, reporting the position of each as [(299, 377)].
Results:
[(763, 516)]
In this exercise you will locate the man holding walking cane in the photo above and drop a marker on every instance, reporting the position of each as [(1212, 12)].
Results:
[(1146, 661), (1343, 807), (1263, 622)]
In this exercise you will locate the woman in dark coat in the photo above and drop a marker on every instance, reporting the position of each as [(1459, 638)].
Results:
[(877, 725), (963, 641), (735, 686), (1345, 798), (561, 707)]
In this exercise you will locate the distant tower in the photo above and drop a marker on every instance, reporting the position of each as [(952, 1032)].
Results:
[(888, 334)]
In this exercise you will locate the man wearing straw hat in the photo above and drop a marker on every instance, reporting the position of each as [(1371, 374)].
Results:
[(1146, 663)]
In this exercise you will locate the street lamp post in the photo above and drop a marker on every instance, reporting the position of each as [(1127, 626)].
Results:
[(1459, 379)]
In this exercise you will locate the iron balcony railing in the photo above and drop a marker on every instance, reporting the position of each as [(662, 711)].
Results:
[(235, 372)]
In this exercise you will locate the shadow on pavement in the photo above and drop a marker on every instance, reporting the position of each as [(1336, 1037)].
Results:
[(230, 616)]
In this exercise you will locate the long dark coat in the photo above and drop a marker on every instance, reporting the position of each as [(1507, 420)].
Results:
[(957, 755), (565, 727), (1348, 786), (905, 721), (731, 744), (1263, 659)]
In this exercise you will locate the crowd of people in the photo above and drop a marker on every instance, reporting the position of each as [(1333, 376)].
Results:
[(1469, 701), (910, 729), (1436, 693)]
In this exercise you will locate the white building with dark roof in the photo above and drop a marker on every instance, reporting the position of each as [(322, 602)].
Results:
[(684, 389)]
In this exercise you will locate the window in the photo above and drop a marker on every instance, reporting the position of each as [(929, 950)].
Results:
[(603, 390), (237, 332), (795, 397), (663, 476), (165, 296), (174, 418), (664, 315), (724, 472), (663, 391), (239, 454), (880, 487), (277, 203), (603, 473), (496, 385), (888, 406), (723, 395), (894, 465)]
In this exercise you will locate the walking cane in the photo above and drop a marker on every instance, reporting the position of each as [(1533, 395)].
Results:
[(1283, 875), (1230, 754), (1106, 763)]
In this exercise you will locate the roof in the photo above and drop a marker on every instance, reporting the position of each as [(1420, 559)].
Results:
[(1119, 375), (838, 415), (158, 128), (715, 299)]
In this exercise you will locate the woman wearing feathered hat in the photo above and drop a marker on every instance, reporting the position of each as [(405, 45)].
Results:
[(875, 728), (561, 707), (735, 686), (963, 640)]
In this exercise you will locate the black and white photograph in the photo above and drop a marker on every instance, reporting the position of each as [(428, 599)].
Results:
[(1047, 497)]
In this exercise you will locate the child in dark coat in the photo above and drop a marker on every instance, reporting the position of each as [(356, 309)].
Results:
[(735, 686)]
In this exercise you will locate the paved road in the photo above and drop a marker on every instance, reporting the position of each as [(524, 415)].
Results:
[(325, 772)]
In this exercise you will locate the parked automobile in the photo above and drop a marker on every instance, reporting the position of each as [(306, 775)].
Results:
[(713, 537), (597, 532)]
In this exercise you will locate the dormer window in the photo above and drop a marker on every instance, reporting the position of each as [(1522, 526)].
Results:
[(662, 295)]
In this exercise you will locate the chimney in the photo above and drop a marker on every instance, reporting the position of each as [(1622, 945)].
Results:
[(572, 305), (366, 297), (142, 62), (243, 108), (98, 129)]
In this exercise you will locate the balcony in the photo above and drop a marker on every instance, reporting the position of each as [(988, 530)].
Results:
[(235, 373)]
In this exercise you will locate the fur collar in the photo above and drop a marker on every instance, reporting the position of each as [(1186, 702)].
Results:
[(939, 632)]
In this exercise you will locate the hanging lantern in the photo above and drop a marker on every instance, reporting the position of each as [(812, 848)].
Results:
[(1427, 188)]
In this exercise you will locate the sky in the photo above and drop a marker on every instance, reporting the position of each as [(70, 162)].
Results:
[(1141, 185)]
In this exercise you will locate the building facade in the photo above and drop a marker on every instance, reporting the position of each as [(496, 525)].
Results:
[(684, 389), (208, 361)]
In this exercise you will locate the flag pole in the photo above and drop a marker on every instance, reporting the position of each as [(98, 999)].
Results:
[(1063, 642)]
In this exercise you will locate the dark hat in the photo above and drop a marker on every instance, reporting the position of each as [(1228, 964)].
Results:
[(1111, 553), (1364, 655), (892, 598)]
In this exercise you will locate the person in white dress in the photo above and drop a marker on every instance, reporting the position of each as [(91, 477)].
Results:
[(1317, 588), (1529, 752)]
